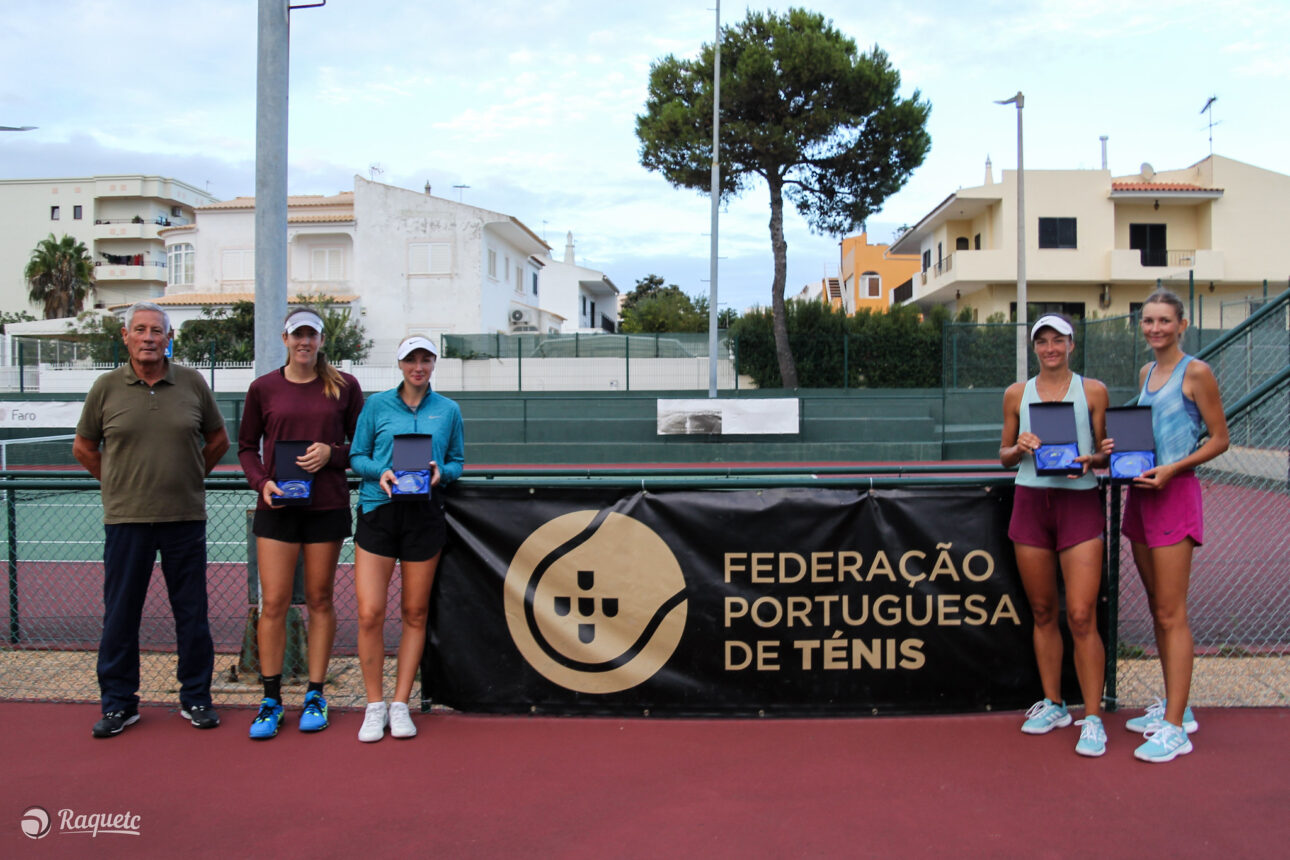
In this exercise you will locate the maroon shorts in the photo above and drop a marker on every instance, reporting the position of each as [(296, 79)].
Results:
[(1055, 519), (1166, 516)]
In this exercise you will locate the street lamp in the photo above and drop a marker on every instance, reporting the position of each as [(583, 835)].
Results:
[(716, 206), (1020, 101)]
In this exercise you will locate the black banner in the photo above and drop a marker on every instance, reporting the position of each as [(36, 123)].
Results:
[(774, 601)]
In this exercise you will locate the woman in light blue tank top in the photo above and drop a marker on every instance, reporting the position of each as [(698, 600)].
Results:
[(1058, 522), (1163, 518)]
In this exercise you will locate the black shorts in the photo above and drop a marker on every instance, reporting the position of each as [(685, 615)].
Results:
[(406, 530), (302, 525)]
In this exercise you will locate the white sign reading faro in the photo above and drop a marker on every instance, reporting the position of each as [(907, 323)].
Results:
[(39, 413)]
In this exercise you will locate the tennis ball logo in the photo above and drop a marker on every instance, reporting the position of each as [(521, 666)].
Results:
[(595, 601), (35, 823)]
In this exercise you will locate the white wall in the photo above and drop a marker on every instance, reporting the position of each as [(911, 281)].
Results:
[(451, 374)]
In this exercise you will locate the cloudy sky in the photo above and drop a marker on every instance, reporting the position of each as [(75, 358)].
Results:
[(532, 105)]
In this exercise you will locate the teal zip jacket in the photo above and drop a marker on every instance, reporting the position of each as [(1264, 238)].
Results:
[(385, 415)]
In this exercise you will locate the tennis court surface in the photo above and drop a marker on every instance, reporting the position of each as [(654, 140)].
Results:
[(469, 786)]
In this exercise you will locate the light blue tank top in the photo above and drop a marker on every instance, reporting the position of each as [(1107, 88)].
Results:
[(1026, 476), (1175, 417)]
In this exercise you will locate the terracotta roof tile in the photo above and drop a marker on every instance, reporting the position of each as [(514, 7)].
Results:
[(318, 219), (1159, 186), (224, 299), (344, 198)]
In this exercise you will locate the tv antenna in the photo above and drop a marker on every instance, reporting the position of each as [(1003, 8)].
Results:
[(1208, 109), (374, 170)]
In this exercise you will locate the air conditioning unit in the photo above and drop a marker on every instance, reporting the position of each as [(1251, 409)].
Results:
[(522, 320)]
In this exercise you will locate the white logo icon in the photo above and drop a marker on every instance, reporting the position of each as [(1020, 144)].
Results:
[(35, 823)]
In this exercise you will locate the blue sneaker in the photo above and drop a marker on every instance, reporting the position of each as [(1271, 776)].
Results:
[(314, 717), (1164, 744), (1092, 737), (1154, 719), (1044, 716), (266, 722)]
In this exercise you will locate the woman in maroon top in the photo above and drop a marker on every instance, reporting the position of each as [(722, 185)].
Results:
[(305, 399)]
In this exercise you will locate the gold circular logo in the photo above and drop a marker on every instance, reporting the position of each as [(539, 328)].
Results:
[(595, 601)]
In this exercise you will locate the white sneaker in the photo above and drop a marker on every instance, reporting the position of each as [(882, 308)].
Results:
[(401, 721), (374, 720)]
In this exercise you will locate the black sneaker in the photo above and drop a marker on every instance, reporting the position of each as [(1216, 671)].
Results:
[(201, 716), (114, 722)]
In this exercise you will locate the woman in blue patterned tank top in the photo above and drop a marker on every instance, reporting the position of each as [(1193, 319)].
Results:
[(1163, 518)]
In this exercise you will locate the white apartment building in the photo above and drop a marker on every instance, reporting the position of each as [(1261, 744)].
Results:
[(1097, 243), (585, 298), (118, 218), (407, 261)]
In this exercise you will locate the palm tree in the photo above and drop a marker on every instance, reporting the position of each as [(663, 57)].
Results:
[(59, 276)]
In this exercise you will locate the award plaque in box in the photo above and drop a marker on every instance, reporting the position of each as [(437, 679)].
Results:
[(1135, 443), (295, 483), (1054, 424), (412, 455)]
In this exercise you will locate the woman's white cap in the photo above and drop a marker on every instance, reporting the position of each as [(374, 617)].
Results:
[(302, 319), (416, 341), (1055, 323)]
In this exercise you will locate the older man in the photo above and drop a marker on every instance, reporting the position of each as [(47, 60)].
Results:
[(151, 432)]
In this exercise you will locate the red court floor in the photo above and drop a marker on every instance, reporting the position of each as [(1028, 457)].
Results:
[(470, 786)]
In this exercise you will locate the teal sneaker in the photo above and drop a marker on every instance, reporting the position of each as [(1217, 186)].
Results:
[(1092, 737), (1044, 716), (314, 717), (1164, 744), (1154, 718), (266, 722)]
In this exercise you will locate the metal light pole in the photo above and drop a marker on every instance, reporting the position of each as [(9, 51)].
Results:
[(1022, 345), (716, 203), (271, 184)]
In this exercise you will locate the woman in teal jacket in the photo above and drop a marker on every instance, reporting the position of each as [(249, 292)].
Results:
[(410, 532)]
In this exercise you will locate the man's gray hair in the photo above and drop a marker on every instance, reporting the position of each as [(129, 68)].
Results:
[(146, 306)]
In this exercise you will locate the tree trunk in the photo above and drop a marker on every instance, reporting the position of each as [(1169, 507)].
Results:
[(779, 247)]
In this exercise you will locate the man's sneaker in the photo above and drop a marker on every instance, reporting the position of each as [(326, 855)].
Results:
[(401, 721), (1164, 744), (314, 717), (1044, 716), (201, 716), (1092, 737), (266, 722), (114, 722), (374, 719), (1154, 718)]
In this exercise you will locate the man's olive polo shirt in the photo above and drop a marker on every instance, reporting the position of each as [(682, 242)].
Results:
[(152, 438)]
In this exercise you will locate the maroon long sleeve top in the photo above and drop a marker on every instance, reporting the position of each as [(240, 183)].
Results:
[(278, 409)]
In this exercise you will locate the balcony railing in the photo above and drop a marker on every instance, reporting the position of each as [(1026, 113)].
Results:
[(151, 270), (1172, 258), (128, 260), (159, 220)]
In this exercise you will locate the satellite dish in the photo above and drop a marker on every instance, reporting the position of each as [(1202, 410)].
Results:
[(1148, 172)]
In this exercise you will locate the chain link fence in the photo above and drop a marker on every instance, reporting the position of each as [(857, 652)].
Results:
[(1239, 600), (51, 590), (51, 603)]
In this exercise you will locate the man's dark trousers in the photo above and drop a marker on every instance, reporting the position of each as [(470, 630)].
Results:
[(129, 552)]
